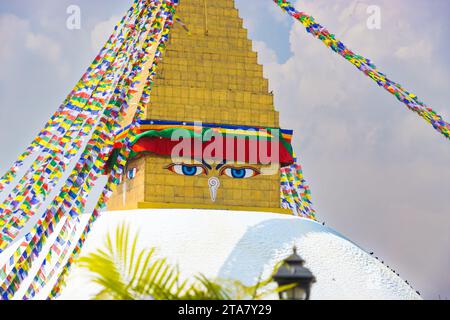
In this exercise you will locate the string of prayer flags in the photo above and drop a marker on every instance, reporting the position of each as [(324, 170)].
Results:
[(295, 194), (54, 259), (61, 203), (167, 12), (33, 181), (366, 66), (107, 100), (75, 103)]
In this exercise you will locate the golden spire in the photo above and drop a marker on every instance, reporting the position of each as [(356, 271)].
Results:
[(208, 74)]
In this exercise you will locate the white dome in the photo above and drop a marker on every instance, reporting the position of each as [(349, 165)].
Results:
[(242, 245)]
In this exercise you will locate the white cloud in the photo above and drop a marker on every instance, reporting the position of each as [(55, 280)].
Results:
[(43, 46), (266, 55), (329, 88), (15, 46), (420, 50), (102, 31), (9, 39)]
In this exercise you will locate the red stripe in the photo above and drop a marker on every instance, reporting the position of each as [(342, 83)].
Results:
[(251, 154)]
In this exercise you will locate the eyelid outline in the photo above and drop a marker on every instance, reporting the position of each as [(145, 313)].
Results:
[(225, 167), (170, 167)]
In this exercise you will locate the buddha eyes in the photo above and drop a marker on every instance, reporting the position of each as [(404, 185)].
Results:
[(192, 170), (239, 173)]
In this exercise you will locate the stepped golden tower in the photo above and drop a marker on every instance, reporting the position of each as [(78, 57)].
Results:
[(210, 75)]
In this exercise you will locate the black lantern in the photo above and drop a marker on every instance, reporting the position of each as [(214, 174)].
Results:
[(292, 272)]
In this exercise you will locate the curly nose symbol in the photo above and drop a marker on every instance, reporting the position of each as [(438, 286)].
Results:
[(214, 184)]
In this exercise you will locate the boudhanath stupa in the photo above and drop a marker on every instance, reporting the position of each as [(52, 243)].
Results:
[(231, 214)]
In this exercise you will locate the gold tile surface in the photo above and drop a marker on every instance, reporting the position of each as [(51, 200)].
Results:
[(209, 74)]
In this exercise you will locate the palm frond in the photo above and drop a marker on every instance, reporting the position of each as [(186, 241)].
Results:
[(125, 272)]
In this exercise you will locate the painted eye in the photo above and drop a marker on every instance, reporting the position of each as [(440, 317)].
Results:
[(187, 169), (131, 174), (240, 173)]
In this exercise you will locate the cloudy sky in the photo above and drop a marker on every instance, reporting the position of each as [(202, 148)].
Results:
[(378, 173)]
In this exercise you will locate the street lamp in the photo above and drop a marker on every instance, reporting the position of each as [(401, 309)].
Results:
[(292, 272)]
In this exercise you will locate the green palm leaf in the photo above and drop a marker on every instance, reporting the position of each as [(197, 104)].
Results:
[(125, 272)]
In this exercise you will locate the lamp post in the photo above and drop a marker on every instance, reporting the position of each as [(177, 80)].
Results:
[(292, 272)]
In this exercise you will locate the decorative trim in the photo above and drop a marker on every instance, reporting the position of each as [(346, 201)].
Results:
[(156, 205)]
